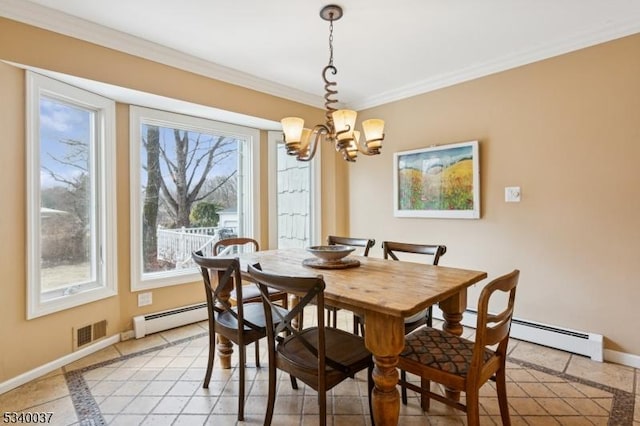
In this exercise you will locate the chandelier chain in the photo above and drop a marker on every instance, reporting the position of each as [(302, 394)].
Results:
[(331, 41)]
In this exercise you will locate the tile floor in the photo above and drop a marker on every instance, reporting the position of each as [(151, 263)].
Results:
[(158, 381)]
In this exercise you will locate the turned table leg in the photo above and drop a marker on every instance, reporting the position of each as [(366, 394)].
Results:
[(384, 337), (225, 350), (452, 309), (224, 345)]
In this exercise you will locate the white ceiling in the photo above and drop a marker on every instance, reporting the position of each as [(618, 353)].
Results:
[(384, 50)]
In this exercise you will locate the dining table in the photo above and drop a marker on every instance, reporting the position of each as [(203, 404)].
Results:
[(383, 292)]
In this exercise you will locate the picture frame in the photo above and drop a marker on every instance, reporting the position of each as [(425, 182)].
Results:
[(441, 181)]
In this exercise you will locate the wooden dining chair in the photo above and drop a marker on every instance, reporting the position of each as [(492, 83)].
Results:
[(461, 364), (367, 244), (233, 245), (250, 292), (320, 356), (242, 324), (390, 249)]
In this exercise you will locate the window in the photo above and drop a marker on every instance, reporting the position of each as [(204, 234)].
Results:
[(193, 182), (295, 208), (71, 230)]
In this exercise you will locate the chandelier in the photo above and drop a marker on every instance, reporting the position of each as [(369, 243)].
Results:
[(339, 126)]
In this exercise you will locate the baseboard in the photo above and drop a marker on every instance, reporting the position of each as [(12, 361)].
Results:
[(159, 321), (573, 341), (622, 358), (55, 364)]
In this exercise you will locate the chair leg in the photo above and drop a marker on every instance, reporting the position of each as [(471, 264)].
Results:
[(425, 401), (272, 389), (403, 388), (358, 326), (241, 366), (322, 405), (257, 343), (473, 407), (294, 382), (300, 320), (212, 355), (430, 316), (335, 318), (501, 387)]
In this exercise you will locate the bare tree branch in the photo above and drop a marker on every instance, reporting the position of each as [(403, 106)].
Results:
[(221, 184)]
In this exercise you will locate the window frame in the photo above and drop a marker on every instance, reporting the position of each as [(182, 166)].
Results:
[(104, 200), (248, 188)]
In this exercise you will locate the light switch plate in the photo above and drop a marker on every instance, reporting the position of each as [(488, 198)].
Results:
[(145, 299), (512, 194)]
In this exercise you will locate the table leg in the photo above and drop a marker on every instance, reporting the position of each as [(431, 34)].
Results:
[(452, 309), (225, 350), (384, 337), (293, 302), (224, 345)]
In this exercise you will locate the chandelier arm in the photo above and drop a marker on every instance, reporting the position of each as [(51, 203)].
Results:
[(364, 149), (317, 132)]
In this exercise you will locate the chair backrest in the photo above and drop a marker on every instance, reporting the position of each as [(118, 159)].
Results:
[(228, 274), (228, 243), (390, 248), (492, 329), (354, 242), (308, 289)]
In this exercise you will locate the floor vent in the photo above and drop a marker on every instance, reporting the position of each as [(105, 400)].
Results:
[(89, 333), (577, 342), (165, 320)]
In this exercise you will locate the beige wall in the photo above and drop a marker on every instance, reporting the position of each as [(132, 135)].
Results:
[(567, 130), (29, 344), (564, 129)]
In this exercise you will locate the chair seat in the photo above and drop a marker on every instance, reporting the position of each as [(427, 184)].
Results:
[(440, 350), (252, 293), (342, 347), (253, 312)]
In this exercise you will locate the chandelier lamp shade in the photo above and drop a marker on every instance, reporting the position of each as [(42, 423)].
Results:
[(339, 126)]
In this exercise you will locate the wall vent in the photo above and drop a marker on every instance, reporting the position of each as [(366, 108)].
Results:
[(89, 333), (99, 330)]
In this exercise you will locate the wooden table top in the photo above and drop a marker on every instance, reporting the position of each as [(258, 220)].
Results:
[(395, 288)]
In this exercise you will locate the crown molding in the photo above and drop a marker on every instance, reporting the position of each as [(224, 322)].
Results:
[(53, 20), (62, 23), (581, 41)]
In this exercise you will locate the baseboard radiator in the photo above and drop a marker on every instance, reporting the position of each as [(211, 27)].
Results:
[(577, 342), (144, 325)]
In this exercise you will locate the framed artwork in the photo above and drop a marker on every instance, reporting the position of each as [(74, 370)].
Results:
[(441, 181)]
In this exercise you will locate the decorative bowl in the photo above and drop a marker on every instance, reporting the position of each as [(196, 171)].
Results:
[(331, 253)]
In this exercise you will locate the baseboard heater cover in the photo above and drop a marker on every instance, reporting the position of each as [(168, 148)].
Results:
[(577, 342), (144, 325)]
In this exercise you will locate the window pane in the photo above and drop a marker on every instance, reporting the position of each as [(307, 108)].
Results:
[(67, 224), (189, 194)]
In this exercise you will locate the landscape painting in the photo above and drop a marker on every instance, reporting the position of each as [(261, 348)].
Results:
[(440, 182)]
